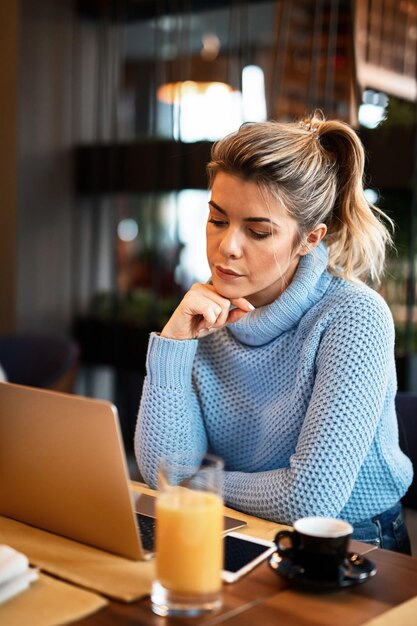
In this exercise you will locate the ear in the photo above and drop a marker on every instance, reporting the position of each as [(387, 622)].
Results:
[(313, 238)]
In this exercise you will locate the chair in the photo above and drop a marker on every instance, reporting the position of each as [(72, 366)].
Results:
[(49, 361), (406, 405)]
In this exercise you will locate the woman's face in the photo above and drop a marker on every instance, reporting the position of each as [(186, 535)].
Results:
[(250, 241)]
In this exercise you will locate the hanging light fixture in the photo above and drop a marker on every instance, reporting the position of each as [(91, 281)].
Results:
[(175, 93), (204, 106), (205, 72)]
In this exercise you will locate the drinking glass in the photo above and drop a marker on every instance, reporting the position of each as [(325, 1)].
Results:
[(189, 536)]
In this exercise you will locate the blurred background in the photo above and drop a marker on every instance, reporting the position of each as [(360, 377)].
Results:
[(108, 109)]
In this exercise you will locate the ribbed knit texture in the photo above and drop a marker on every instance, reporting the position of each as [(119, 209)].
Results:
[(297, 397)]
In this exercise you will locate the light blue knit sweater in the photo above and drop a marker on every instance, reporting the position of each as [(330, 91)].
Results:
[(297, 397)]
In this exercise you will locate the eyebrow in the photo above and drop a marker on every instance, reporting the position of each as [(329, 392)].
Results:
[(246, 219)]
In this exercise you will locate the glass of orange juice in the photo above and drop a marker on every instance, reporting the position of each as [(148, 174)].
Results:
[(189, 536)]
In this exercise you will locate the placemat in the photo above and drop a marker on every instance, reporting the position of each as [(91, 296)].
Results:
[(49, 602), (83, 565), (404, 614)]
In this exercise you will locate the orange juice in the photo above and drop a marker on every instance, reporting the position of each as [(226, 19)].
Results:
[(189, 542)]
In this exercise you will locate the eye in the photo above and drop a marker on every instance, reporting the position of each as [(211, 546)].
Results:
[(255, 234), (217, 223)]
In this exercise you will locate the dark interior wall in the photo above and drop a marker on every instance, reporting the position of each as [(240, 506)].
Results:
[(9, 21), (44, 179)]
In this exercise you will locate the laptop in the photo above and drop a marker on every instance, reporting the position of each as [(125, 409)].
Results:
[(63, 469)]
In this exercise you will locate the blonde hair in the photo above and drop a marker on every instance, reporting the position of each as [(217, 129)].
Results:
[(315, 168)]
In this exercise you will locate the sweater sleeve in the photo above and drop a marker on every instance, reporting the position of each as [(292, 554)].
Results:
[(354, 367), (169, 417)]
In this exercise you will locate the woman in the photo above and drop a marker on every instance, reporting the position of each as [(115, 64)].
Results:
[(283, 364)]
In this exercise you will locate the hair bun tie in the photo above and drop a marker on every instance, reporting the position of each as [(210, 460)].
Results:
[(309, 125)]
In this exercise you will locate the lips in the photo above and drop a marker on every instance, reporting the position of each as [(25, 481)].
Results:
[(226, 274)]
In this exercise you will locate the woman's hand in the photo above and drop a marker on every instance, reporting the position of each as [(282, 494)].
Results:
[(201, 311)]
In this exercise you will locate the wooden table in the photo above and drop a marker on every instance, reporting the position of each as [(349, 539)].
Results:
[(262, 598)]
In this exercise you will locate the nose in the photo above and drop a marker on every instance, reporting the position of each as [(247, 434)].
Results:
[(231, 244)]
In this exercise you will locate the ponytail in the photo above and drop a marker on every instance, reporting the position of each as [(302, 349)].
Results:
[(357, 237)]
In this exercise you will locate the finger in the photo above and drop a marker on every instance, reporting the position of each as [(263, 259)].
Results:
[(213, 318), (206, 331), (212, 313), (243, 304), (215, 310), (235, 315), (209, 292), (206, 317), (223, 316)]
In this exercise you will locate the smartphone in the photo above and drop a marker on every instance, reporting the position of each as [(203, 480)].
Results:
[(242, 554)]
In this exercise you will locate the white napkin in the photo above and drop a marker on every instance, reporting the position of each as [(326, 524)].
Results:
[(15, 573)]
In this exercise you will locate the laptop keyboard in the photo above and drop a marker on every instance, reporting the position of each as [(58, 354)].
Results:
[(147, 531)]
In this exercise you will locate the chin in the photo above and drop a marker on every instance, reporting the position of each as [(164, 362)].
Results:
[(229, 291)]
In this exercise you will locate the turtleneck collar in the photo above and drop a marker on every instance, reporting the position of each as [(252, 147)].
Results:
[(307, 287)]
